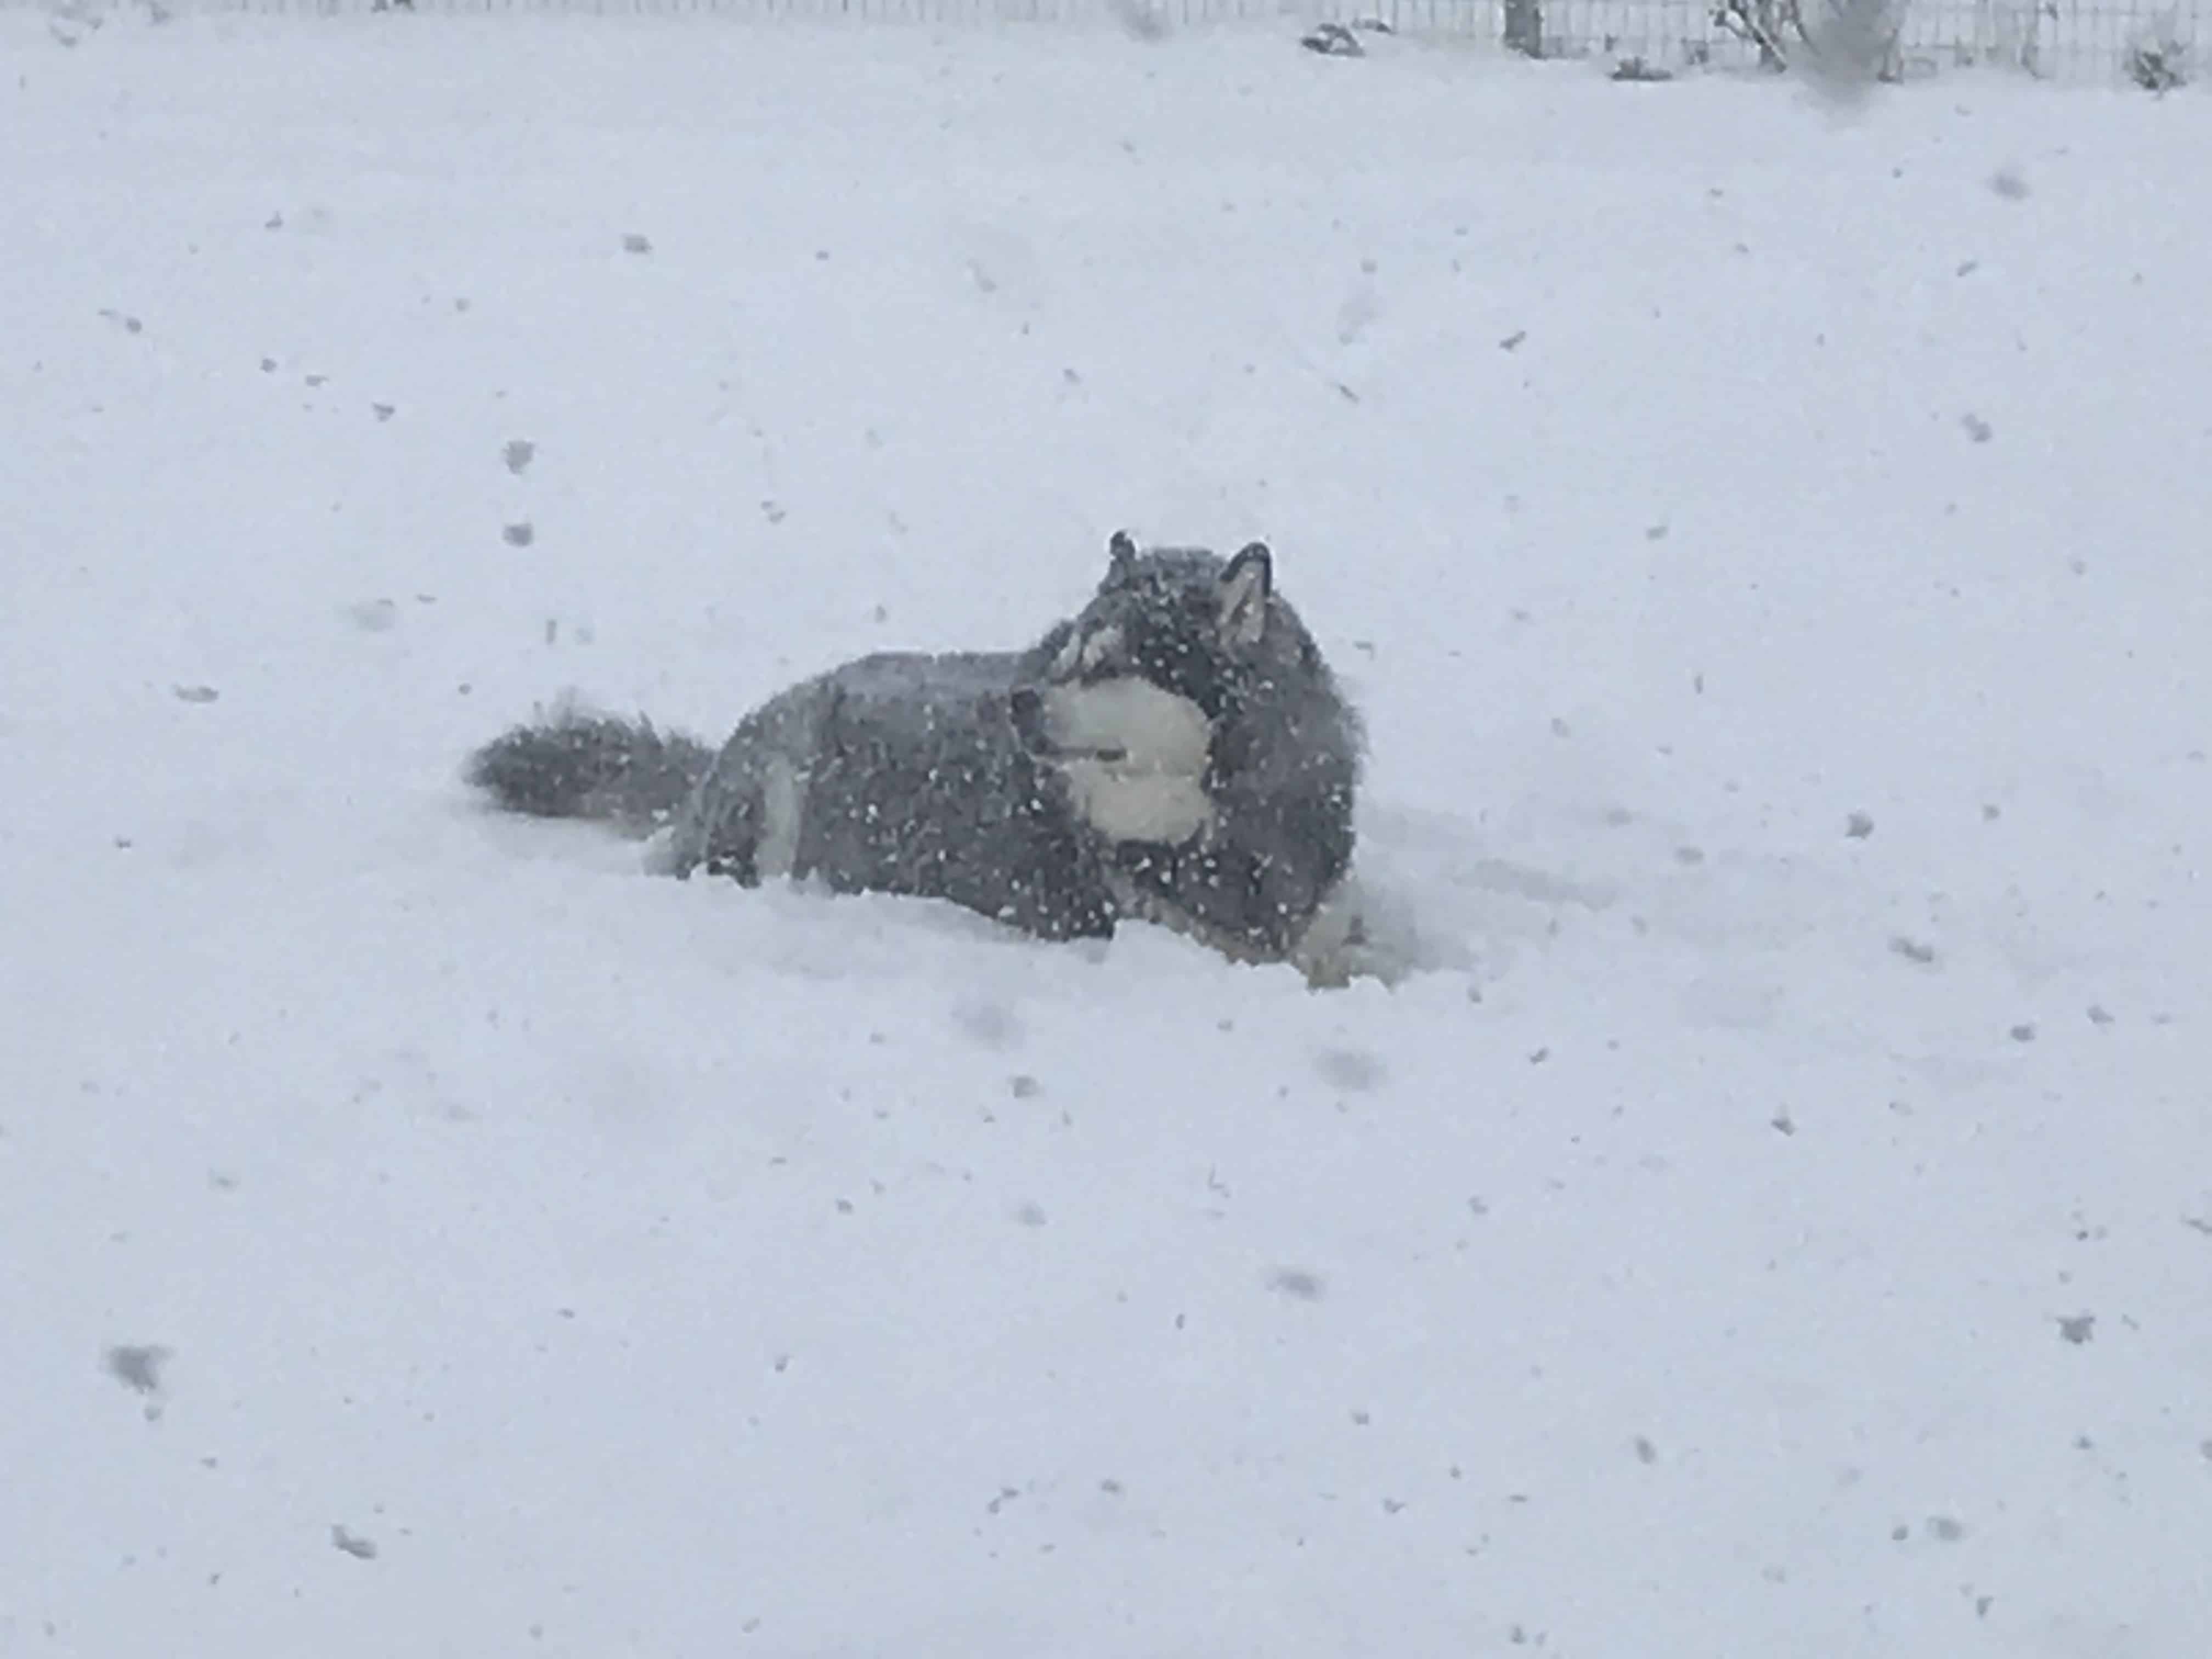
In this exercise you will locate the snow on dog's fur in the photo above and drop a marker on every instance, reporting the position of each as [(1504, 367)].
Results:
[(1178, 752)]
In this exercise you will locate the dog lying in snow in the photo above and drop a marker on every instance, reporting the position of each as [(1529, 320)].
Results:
[(1178, 752)]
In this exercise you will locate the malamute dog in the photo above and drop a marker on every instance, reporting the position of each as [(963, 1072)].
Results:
[(1178, 752)]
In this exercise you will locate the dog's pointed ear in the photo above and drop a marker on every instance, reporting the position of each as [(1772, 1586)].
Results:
[(1120, 554), (1245, 586)]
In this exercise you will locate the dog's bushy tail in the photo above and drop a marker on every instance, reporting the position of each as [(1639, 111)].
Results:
[(580, 764)]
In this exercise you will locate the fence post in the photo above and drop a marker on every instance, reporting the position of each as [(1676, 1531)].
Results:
[(1524, 28)]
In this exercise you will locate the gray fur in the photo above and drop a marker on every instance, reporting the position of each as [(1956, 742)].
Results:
[(939, 776), (906, 776)]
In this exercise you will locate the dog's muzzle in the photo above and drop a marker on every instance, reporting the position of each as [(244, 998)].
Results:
[(1026, 703), (1133, 755)]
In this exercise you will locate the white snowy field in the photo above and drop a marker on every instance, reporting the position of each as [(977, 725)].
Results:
[(1773, 1220)]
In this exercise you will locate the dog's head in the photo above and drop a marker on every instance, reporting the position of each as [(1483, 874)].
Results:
[(1136, 685)]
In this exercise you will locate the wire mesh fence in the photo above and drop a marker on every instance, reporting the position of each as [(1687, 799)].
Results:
[(2153, 43), (2068, 40)]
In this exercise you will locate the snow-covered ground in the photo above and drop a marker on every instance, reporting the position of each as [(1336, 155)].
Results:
[(1769, 545)]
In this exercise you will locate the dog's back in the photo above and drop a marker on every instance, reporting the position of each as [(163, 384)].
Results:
[(898, 772)]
